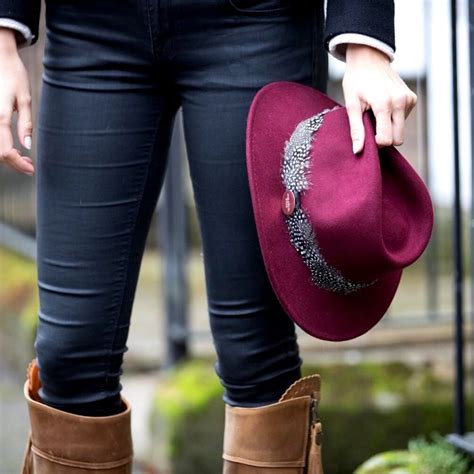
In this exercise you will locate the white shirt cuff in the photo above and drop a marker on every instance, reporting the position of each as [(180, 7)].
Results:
[(21, 28), (337, 45)]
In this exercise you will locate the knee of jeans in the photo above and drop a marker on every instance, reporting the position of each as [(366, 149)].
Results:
[(72, 369)]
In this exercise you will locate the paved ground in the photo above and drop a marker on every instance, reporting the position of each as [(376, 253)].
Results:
[(13, 422)]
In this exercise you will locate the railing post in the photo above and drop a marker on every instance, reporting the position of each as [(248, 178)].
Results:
[(471, 98), (459, 410), (172, 234)]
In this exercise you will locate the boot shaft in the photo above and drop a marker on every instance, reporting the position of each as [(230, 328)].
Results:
[(60, 442), (283, 437)]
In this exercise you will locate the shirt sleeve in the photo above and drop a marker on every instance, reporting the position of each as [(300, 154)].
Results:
[(23, 34), (23, 16), (337, 45), (365, 21)]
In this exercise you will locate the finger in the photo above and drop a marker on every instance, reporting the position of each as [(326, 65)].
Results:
[(383, 133), (410, 103), (18, 162), (24, 122), (408, 96), (354, 113), (6, 137), (398, 124), (8, 154)]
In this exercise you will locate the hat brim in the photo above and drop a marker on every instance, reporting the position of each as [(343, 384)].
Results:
[(321, 313)]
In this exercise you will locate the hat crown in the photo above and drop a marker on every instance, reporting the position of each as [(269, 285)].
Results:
[(364, 225)]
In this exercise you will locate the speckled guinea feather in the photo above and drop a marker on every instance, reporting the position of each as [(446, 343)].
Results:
[(295, 174)]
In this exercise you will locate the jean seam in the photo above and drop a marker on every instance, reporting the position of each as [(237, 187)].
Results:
[(149, 7), (127, 264)]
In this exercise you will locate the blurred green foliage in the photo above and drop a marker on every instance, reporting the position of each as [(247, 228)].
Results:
[(18, 308), (423, 456), (188, 417), (189, 389)]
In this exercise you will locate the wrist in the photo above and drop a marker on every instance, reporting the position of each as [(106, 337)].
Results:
[(8, 43), (362, 52)]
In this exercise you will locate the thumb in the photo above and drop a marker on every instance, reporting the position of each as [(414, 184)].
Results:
[(24, 122), (354, 112)]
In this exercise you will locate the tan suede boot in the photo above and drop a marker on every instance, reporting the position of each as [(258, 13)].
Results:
[(283, 437), (65, 443)]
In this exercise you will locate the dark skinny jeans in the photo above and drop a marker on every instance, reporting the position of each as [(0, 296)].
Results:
[(115, 74)]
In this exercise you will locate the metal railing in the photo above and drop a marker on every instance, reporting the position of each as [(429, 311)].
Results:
[(460, 437)]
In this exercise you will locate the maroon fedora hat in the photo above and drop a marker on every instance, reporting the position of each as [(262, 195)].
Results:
[(335, 229)]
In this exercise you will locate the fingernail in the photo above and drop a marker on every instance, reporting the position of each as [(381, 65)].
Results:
[(27, 159), (28, 173), (28, 142)]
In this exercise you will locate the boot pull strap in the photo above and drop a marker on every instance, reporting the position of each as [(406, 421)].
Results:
[(314, 454), (34, 383), (309, 385)]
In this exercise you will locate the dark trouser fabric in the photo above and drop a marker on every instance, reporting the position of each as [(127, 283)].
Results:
[(115, 74)]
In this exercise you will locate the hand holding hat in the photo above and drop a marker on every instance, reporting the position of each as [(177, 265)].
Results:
[(370, 82)]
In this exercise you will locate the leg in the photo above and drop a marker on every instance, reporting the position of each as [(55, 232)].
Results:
[(219, 70), (271, 422), (103, 134)]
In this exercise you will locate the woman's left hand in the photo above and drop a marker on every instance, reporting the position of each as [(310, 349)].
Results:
[(370, 82)]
